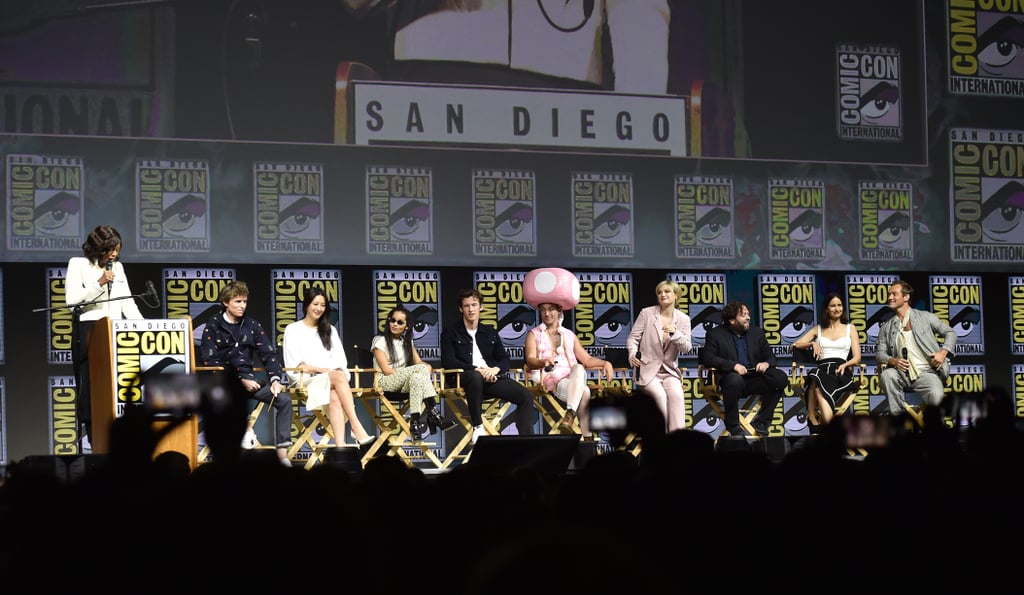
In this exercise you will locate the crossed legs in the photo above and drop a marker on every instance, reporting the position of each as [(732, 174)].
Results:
[(342, 405)]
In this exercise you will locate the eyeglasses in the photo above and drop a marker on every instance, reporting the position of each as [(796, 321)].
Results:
[(396, 321)]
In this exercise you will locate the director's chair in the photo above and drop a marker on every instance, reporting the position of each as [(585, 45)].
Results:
[(803, 361), (708, 388), (493, 415), (391, 417)]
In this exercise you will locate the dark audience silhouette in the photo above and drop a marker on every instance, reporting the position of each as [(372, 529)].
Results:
[(924, 507)]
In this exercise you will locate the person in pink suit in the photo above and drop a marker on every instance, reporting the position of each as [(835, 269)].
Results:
[(660, 335)]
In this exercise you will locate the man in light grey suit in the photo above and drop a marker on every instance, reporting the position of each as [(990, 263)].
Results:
[(910, 353)]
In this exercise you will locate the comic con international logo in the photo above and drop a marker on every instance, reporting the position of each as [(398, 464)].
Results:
[(418, 292), (984, 48), (886, 221), (867, 298), (61, 317), (987, 195), (399, 205), (290, 287), (787, 309), (173, 199), (289, 205), (957, 301), (503, 209), (796, 220), (704, 217), (604, 316), (505, 309), (44, 209), (868, 93), (602, 206), (703, 298), (195, 293)]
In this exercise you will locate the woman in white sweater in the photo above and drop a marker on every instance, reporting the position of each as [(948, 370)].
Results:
[(313, 345)]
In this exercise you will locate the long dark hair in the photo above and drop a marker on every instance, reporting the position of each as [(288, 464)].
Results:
[(323, 325), (101, 241), (406, 335), (844, 318)]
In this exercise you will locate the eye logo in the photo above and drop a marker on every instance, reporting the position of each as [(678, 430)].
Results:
[(514, 325), (513, 221), (893, 231), (796, 323), (425, 318), (805, 229), (878, 102), (713, 227), (57, 214), (965, 321), (409, 221), (1000, 47), (298, 217), (612, 323), (610, 224), (181, 215), (1001, 214)]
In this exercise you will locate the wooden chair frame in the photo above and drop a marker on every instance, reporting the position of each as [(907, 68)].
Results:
[(707, 387)]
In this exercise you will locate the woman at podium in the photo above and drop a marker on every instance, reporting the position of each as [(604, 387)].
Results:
[(96, 287)]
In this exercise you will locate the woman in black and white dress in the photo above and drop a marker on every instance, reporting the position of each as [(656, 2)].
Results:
[(836, 347)]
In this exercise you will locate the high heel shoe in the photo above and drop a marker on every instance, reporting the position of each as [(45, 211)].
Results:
[(364, 445), (436, 422)]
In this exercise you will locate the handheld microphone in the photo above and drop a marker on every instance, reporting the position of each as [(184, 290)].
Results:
[(905, 356), (110, 267), (638, 355)]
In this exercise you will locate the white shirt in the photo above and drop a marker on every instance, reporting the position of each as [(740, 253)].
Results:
[(378, 343), (301, 344), (82, 285)]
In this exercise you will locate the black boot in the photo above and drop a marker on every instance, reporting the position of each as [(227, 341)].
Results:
[(417, 427), (436, 422)]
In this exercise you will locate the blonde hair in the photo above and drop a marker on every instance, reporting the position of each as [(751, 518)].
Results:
[(671, 285)]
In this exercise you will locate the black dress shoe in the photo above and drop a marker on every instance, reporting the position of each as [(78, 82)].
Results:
[(762, 431), (736, 431)]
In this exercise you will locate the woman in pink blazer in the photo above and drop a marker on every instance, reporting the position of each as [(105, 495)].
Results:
[(660, 335)]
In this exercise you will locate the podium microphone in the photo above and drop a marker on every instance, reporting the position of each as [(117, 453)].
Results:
[(110, 267), (151, 291)]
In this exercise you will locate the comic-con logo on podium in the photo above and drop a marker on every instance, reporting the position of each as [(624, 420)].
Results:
[(419, 292), (143, 348), (956, 300), (289, 208), (399, 207), (868, 93), (787, 308), (1016, 285), (704, 297), (867, 305), (984, 48), (796, 219), (173, 205), (44, 202), (704, 212), (886, 221), (986, 183), (602, 208), (505, 308), (504, 202), (195, 293), (289, 291)]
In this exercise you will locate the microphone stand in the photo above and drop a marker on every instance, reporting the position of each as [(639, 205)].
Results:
[(76, 339)]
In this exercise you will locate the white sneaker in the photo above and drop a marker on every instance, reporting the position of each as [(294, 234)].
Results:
[(477, 432), (249, 439)]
